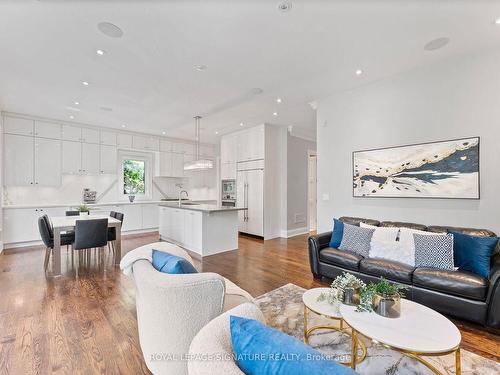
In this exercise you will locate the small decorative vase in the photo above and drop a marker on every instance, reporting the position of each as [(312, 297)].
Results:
[(84, 213), (387, 306), (131, 198), (351, 296)]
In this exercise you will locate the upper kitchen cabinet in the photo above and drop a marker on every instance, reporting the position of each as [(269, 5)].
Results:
[(124, 140), (251, 144), (90, 135), (32, 161), (71, 157), (108, 159), (19, 160), (19, 126), (71, 133), (90, 158), (145, 143), (178, 147), (108, 138), (189, 148), (228, 145), (207, 150), (165, 145), (47, 130)]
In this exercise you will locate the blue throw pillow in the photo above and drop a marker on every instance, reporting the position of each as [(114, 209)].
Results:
[(473, 253), (261, 350), (337, 233), (168, 263)]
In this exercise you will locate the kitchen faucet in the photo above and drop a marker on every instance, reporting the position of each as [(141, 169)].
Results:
[(180, 196)]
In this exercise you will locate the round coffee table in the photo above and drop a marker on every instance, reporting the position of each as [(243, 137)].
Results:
[(419, 331), (326, 310)]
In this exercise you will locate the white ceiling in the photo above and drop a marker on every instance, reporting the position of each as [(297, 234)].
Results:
[(47, 48)]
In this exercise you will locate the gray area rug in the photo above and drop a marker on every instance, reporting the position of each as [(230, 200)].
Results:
[(283, 309)]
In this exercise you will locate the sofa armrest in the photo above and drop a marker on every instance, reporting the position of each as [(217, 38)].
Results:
[(493, 298), (316, 243)]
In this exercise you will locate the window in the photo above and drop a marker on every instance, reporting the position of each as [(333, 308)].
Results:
[(135, 174)]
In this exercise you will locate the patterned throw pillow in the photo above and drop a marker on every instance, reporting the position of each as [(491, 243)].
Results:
[(434, 251), (356, 239)]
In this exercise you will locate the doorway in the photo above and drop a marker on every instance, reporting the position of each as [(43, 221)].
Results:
[(311, 189)]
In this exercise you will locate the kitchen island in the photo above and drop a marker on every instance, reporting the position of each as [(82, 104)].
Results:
[(204, 229)]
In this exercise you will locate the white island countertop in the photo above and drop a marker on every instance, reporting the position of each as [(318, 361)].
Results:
[(201, 207)]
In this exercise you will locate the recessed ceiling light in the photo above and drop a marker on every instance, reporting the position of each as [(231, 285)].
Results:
[(163, 133), (216, 132), (285, 6), (278, 100), (275, 113), (76, 103), (359, 72), (73, 109), (71, 117), (436, 44), (100, 52), (497, 21), (200, 68), (85, 83), (241, 124), (109, 29), (124, 126)]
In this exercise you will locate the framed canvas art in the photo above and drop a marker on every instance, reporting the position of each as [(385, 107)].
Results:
[(443, 169)]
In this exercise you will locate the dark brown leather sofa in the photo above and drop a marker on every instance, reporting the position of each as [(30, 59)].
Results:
[(456, 293)]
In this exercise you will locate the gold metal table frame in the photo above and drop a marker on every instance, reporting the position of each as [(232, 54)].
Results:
[(411, 354), (344, 330)]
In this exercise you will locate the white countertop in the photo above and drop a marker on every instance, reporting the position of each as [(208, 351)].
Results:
[(201, 207), (48, 205)]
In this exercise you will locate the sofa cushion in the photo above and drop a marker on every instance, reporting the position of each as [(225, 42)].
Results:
[(337, 233), (173, 264), (341, 258), (459, 283), (356, 239), (434, 251), (473, 253), (388, 269)]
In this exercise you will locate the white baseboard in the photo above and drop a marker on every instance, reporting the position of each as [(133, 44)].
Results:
[(294, 232)]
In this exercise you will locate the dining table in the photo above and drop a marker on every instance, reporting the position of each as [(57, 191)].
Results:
[(62, 224)]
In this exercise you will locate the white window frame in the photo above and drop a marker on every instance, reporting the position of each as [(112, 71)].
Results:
[(148, 175)]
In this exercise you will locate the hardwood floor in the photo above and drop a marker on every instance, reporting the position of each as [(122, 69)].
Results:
[(88, 325)]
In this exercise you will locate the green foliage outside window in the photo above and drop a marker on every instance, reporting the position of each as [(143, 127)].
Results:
[(134, 176)]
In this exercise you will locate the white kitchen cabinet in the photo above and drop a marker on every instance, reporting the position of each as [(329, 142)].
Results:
[(21, 224), (124, 140), (47, 171), (90, 158), (166, 164), (150, 217), (178, 147), (177, 165), (108, 138), (250, 194), (132, 219), (188, 148), (19, 160), (47, 130), (71, 157), (251, 144), (108, 159), (193, 230), (228, 171), (152, 144), (19, 126), (90, 135), (177, 225), (207, 150), (165, 145), (164, 221), (139, 142), (71, 133)]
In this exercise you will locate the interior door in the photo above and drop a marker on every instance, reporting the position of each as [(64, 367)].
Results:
[(18, 160), (255, 201), (241, 181), (47, 162)]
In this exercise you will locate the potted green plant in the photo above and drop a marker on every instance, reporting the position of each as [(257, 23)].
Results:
[(385, 298), (346, 289), (83, 209)]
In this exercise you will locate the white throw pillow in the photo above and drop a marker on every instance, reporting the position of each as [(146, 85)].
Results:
[(384, 245)]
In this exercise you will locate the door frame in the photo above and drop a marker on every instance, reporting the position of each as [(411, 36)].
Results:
[(310, 154)]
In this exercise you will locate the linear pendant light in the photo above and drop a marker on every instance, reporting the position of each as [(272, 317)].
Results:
[(198, 164)]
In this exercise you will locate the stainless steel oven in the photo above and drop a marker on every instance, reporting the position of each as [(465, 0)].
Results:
[(228, 195)]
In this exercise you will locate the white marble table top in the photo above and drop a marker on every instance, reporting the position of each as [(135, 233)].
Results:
[(310, 299), (70, 221), (418, 329)]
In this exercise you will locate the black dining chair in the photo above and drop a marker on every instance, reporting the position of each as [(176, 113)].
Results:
[(89, 234), (72, 213), (112, 231), (47, 235)]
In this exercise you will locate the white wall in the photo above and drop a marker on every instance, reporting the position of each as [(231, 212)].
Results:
[(297, 184), (453, 99)]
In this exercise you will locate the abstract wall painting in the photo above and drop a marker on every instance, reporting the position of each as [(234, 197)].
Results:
[(445, 169)]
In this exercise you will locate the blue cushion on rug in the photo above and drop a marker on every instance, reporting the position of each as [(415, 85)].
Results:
[(261, 350), (168, 263), (473, 253), (337, 233)]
